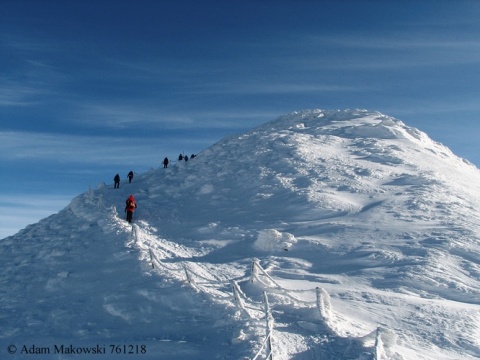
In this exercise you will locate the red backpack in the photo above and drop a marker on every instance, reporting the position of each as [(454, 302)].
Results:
[(130, 204)]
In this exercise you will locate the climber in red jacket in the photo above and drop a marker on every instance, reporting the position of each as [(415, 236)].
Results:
[(130, 206)]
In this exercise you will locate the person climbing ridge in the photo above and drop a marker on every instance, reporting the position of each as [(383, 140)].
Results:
[(116, 179), (130, 206), (130, 176)]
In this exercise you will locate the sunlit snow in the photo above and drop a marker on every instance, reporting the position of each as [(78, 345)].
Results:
[(322, 235)]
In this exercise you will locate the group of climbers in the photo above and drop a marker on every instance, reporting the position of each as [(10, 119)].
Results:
[(116, 179), (185, 157), (181, 157), (130, 203)]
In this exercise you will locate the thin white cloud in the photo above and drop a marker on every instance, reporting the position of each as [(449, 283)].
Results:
[(120, 115), (13, 41), (18, 146), (392, 42), (161, 117), (388, 51), (19, 95), (438, 106), (67, 148), (30, 84), (285, 88)]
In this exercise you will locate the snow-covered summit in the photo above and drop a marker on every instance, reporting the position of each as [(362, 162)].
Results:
[(373, 212)]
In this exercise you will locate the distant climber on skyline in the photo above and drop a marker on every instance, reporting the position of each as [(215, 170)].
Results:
[(116, 180)]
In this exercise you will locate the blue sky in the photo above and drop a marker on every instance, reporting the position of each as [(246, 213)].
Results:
[(92, 88)]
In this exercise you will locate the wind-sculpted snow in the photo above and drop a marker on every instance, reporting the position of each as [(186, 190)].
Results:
[(361, 232)]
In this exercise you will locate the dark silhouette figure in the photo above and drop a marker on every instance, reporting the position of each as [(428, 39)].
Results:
[(180, 157), (165, 163), (130, 206), (116, 180), (130, 176), (186, 157)]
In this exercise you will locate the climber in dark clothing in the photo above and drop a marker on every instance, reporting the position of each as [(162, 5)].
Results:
[(116, 179)]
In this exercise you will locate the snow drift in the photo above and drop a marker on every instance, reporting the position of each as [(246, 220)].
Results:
[(359, 232)]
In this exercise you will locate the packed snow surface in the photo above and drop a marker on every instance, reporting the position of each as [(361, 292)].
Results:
[(319, 235)]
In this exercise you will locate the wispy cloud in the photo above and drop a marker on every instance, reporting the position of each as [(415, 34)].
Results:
[(31, 82), (439, 107), (173, 117), (78, 149), (368, 51), (19, 95), (393, 42), (13, 41), (68, 149), (263, 88)]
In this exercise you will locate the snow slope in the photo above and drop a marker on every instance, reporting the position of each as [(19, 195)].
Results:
[(327, 234)]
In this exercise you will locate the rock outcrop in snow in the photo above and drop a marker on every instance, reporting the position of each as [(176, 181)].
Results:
[(373, 212)]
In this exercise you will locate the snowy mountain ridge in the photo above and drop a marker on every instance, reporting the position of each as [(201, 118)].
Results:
[(374, 213)]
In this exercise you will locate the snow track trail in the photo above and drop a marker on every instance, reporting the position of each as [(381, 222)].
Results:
[(177, 263), (239, 293)]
